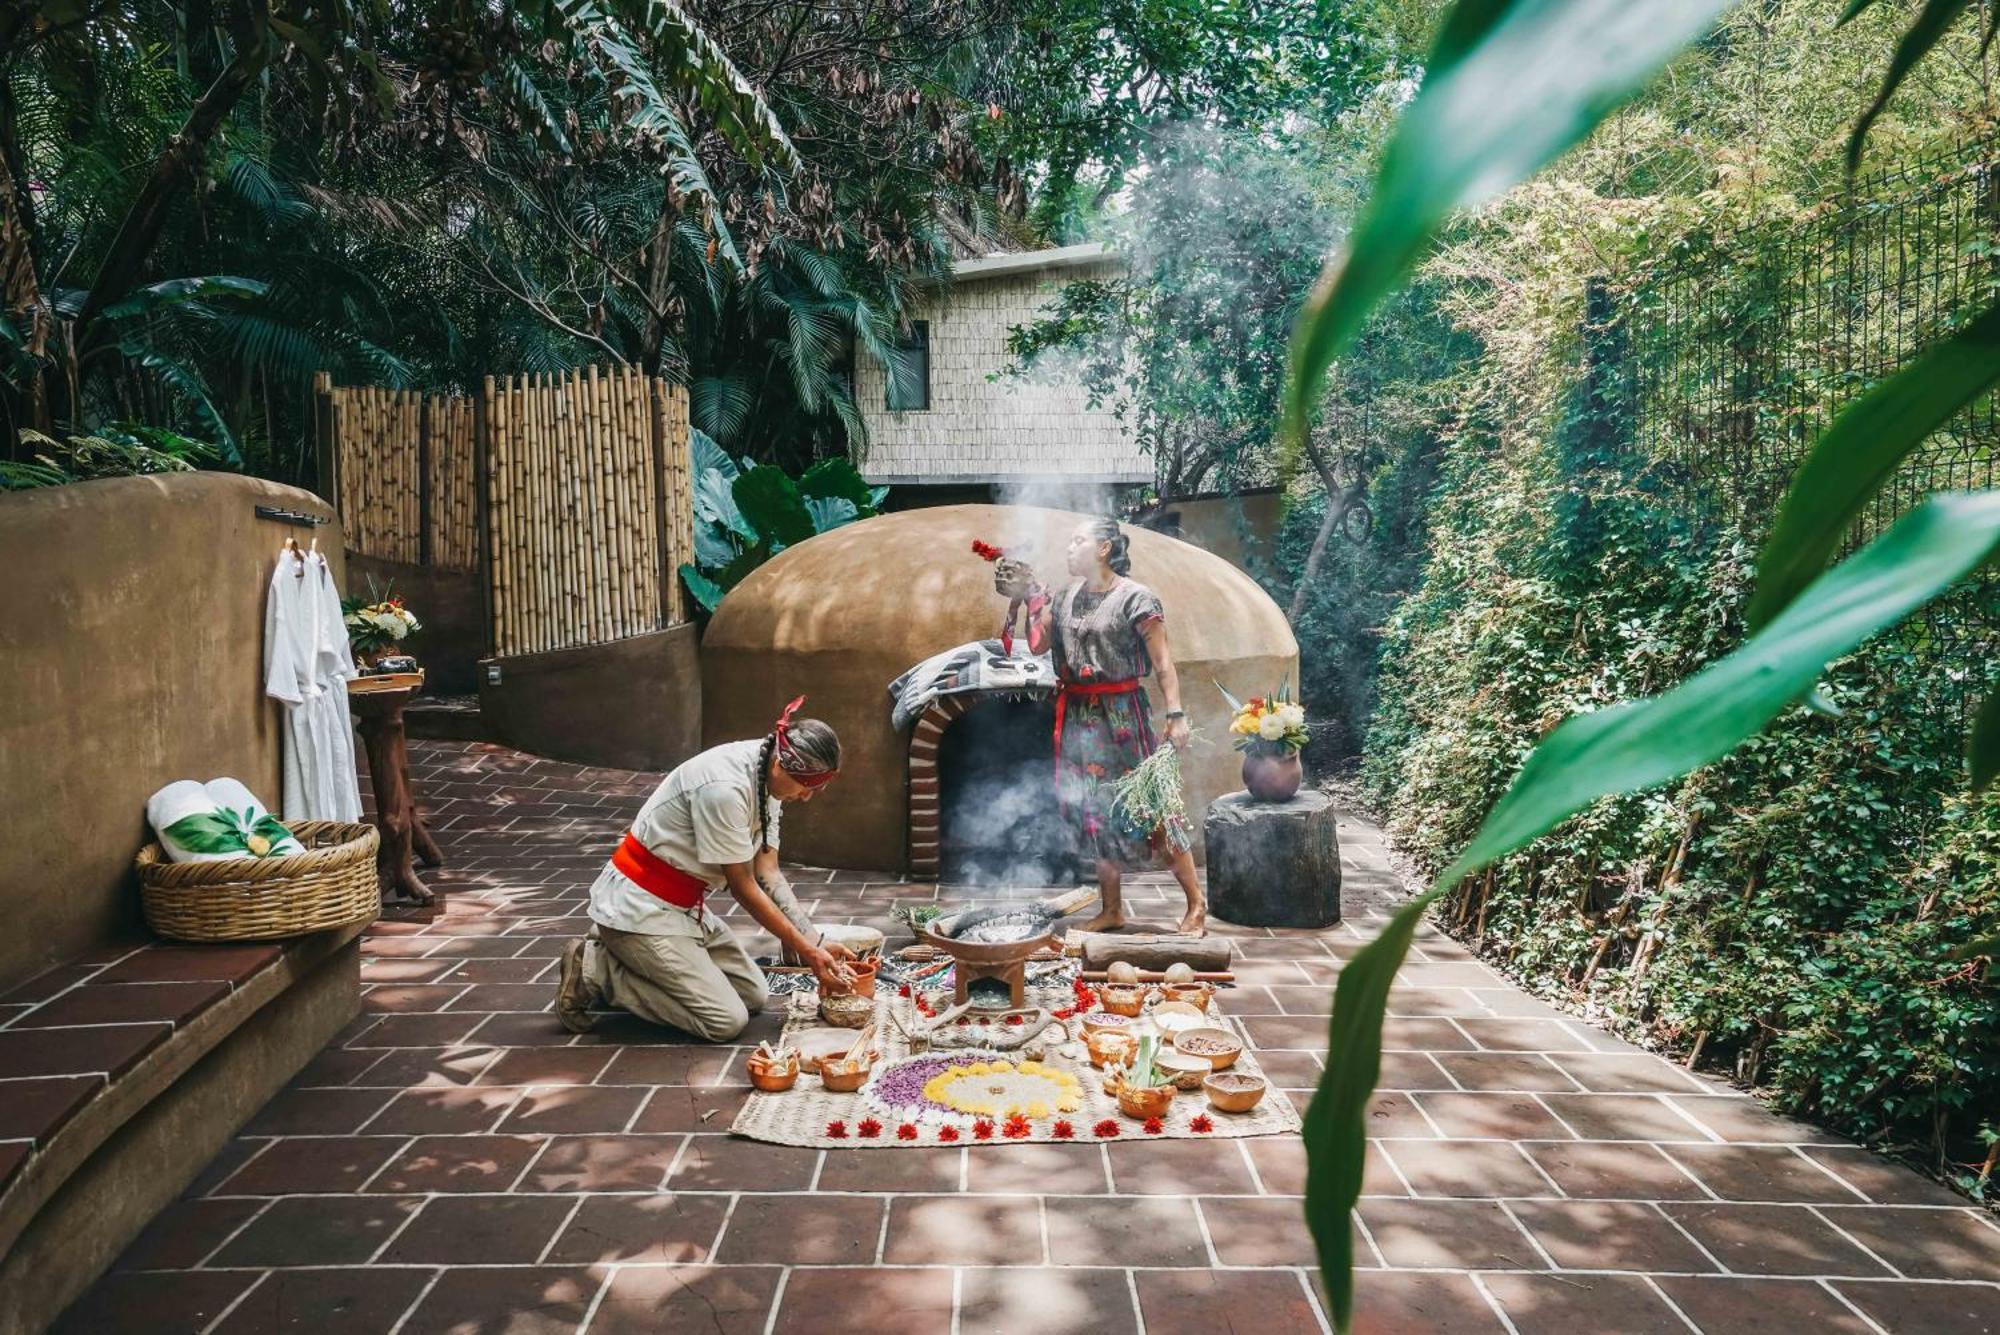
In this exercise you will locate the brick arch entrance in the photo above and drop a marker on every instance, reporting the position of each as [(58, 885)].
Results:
[(975, 759)]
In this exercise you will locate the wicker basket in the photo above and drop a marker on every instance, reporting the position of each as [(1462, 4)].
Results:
[(331, 884)]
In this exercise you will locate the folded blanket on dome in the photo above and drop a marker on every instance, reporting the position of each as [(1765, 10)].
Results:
[(978, 666)]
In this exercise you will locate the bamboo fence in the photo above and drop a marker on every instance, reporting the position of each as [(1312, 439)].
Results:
[(573, 493)]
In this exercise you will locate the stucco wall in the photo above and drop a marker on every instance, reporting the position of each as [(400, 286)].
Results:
[(1242, 530), (1038, 426), (633, 703), (841, 615), (452, 608), (131, 654)]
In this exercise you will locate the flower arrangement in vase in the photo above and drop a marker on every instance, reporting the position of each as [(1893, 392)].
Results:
[(1270, 731), (378, 623)]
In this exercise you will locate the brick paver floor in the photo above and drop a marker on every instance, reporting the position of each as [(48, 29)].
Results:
[(456, 1162)]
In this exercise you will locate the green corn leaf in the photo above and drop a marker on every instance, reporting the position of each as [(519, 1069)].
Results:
[(1235, 705), (1861, 451), (1932, 23), (1543, 74), (1623, 749), (771, 502), (1982, 744), (1461, 30)]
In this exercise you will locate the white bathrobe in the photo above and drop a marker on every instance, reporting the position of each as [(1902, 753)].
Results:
[(307, 663)]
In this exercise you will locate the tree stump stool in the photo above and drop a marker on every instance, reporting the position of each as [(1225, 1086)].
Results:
[(1274, 864)]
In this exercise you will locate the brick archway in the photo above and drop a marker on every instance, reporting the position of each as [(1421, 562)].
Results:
[(925, 849)]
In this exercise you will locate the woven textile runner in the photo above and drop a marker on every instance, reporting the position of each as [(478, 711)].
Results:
[(803, 1114)]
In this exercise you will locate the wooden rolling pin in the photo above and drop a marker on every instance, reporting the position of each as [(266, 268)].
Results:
[(1101, 950), (1154, 976)]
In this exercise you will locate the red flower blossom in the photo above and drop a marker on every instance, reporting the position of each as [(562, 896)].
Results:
[(1123, 735), (1063, 1130), (869, 1129), (906, 1132), (1105, 1129), (1201, 1124), (1065, 1013), (947, 1134), (1154, 1126), (1017, 1127), (836, 1130), (982, 1129), (986, 551), (904, 990), (1017, 1019)]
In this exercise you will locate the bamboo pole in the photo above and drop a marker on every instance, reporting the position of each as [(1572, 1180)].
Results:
[(641, 531), (605, 426), (534, 537), (499, 445), (626, 507), (573, 593), (659, 460), (589, 436)]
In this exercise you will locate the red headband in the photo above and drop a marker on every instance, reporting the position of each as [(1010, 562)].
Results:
[(810, 778)]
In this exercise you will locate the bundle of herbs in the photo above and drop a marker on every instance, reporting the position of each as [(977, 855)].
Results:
[(1152, 797)]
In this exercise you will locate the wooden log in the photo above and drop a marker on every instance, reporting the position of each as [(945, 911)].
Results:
[(1273, 864), (1155, 976), (1101, 950)]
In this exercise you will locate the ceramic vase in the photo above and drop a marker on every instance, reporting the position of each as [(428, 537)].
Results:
[(1272, 777)]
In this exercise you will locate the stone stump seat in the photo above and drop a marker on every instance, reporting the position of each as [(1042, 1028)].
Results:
[(123, 1071), (1274, 864)]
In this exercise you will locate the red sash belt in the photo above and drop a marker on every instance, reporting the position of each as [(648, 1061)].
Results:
[(1083, 690), (656, 876)]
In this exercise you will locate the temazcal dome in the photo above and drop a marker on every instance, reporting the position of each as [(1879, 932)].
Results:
[(840, 616)]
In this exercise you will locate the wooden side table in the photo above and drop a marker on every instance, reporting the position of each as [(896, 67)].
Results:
[(378, 703)]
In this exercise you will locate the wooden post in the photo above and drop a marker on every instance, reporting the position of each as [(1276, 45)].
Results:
[(326, 447), (482, 415)]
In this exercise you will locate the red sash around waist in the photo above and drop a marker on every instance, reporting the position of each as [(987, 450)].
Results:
[(656, 876)]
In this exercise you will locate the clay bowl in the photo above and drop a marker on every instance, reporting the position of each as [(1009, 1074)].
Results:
[(1234, 1092), (1173, 1017), (1184, 1070), (1108, 1047), (816, 1045), (1104, 1022), (773, 1076), (1127, 1001), (1137, 1101), (1189, 994), (844, 1077), (864, 975), (1221, 1047), (848, 1011)]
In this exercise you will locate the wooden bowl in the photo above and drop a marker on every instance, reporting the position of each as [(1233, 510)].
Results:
[(1127, 1001), (1184, 1070), (848, 1011), (1199, 1042), (1143, 1102), (773, 1077), (1235, 1092), (844, 1077)]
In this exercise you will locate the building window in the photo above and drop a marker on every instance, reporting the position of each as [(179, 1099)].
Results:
[(909, 379)]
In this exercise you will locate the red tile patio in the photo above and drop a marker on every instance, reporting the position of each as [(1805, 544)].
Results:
[(457, 1162)]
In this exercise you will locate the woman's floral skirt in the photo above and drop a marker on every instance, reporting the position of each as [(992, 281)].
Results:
[(1104, 738)]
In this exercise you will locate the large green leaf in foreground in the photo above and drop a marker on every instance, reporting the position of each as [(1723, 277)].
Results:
[(1511, 86), (1861, 451), (1623, 749)]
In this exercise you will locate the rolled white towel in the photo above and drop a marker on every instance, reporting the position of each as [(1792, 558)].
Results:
[(210, 822)]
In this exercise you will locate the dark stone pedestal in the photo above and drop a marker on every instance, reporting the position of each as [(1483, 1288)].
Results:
[(1274, 864)]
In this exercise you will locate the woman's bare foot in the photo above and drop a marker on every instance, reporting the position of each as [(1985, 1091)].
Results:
[(1108, 921), (1195, 922)]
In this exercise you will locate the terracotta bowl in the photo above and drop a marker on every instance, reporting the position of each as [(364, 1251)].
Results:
[(773, 1077), (1135, 1101), (1221, 1047), (844, 1077), (1184, 1070), (864, 975), (1109, 1047), (815, 1045), (1127, 1001), (1192, 994), (1234, 1092)]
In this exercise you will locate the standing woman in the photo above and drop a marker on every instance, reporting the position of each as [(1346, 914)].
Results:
[(1106, 631), (655, 948)]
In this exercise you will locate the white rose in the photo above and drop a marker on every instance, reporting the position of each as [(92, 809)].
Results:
[(1271, 728), (1292, 716)]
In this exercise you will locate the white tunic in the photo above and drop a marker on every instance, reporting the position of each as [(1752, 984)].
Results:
[(306, 666), (700, 820)]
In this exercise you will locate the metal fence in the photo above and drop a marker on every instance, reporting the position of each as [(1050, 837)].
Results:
[(1741, 351)]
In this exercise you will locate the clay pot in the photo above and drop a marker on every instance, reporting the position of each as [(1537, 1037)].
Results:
[(1129, 1001), (864, 975), (1192, 994), (1104, 1022), (773, 1076), (1145, 1101), (1109, 1048), (1234, 1093), (1227, 1046), (844, 1077), (1272, 778)]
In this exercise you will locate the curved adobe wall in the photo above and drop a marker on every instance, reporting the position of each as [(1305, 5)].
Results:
[(131, 653), (840, 616)]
